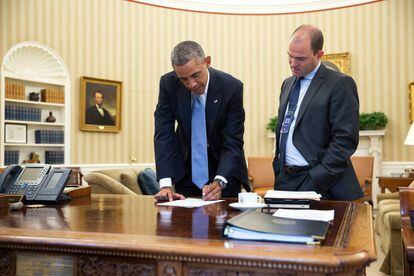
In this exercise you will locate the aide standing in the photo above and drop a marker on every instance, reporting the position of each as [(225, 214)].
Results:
[(318, 127)]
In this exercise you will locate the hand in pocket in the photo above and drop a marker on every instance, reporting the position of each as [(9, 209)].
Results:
[(308, 184)]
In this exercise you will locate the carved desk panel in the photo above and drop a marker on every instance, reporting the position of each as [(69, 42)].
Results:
[(130, 235)]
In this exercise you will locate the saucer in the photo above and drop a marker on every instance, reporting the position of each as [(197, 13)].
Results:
[(242, 207)]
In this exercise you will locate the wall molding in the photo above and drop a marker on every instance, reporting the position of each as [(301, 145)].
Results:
[(388, 168)]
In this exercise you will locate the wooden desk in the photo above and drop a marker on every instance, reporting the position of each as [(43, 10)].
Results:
[(392, 183), (106, 234), (407, 204)]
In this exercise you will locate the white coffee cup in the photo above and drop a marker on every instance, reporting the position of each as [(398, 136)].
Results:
[(249, 198)]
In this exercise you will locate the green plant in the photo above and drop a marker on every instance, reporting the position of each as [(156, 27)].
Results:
[(372, 121), (272, 124), (367, 121)]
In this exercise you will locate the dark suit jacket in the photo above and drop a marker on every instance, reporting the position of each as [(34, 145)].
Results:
[(95, 118), (225, 128), (326, 131)]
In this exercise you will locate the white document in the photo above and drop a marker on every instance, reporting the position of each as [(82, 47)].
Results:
[(292, 195), (189, 202), (308, 214)]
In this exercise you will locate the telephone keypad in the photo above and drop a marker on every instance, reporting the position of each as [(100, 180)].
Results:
[(14, 189)]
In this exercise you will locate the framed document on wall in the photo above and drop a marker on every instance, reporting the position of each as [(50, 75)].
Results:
[(15, 133)]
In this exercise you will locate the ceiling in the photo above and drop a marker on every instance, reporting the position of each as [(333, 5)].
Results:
[(250, 7)]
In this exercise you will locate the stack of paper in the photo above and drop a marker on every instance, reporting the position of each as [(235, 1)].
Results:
[(290, 199), (320, 215), (189, 202)]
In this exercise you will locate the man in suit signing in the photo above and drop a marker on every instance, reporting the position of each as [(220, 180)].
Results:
[(317, 130), (199, 126)]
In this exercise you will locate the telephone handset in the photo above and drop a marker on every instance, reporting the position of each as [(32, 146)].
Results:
[(36, 182), (8, 176)]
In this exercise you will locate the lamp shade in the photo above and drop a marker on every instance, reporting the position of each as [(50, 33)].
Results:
[(409, 140)]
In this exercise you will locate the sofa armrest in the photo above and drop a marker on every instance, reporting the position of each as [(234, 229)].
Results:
[(383, 196), (103, 184), (395, 221)]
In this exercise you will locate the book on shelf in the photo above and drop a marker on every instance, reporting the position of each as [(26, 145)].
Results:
[(255, 225), (11, 157), (54, 157), (290, 199), (52, 95), (21, 113), (49, 136), (15, 91)]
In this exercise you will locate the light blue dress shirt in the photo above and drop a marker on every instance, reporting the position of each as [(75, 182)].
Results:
[(293, 156)]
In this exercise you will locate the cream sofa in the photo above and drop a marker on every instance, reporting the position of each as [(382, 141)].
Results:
[(388, 227), (114, 181)]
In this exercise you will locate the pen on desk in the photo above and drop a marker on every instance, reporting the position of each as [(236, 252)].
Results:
[(203, 192)]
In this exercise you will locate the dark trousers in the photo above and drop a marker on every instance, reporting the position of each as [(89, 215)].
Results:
[(301, 181)]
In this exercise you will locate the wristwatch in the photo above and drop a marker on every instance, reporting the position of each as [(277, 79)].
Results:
[(221, 182)]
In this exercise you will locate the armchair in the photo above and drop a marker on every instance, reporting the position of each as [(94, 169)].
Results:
[(261, 175), (364, 169)]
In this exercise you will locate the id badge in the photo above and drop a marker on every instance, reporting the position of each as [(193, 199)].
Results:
[(286, 124)]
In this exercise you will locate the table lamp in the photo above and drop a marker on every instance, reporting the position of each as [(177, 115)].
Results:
[(409, 140)]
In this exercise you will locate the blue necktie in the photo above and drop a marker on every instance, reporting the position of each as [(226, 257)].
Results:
[(199, 159), (284, 131)]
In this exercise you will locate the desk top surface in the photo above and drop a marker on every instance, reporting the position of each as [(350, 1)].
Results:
[(120, 223)]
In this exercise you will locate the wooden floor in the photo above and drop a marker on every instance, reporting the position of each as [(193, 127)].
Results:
[(374, 268)]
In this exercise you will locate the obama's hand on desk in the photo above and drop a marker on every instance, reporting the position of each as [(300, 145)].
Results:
[(167, 194), (212, 191)]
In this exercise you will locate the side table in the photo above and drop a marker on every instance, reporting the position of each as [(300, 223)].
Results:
[(392, 183)]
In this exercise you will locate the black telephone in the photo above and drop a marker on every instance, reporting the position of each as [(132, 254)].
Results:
[(36, 182)]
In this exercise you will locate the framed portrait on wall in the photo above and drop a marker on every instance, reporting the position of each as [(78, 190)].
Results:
[(338, 62), (100, 105)]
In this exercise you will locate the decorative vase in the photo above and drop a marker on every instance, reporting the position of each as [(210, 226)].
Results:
[(33, 96), (50, 118)]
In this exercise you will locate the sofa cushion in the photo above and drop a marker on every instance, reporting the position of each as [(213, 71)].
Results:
[(385, 202), (129, 179), (101, 183), (383, 209), (147, 181)]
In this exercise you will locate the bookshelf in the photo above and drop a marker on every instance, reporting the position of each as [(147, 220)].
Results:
[(34, 84)]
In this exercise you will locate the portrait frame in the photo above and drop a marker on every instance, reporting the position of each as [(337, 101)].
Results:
[(411, 102), (109, 118), (338, 62), (15, 133)]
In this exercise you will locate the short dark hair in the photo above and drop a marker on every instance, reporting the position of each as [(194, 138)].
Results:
[(315, 34), (185, 51)]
